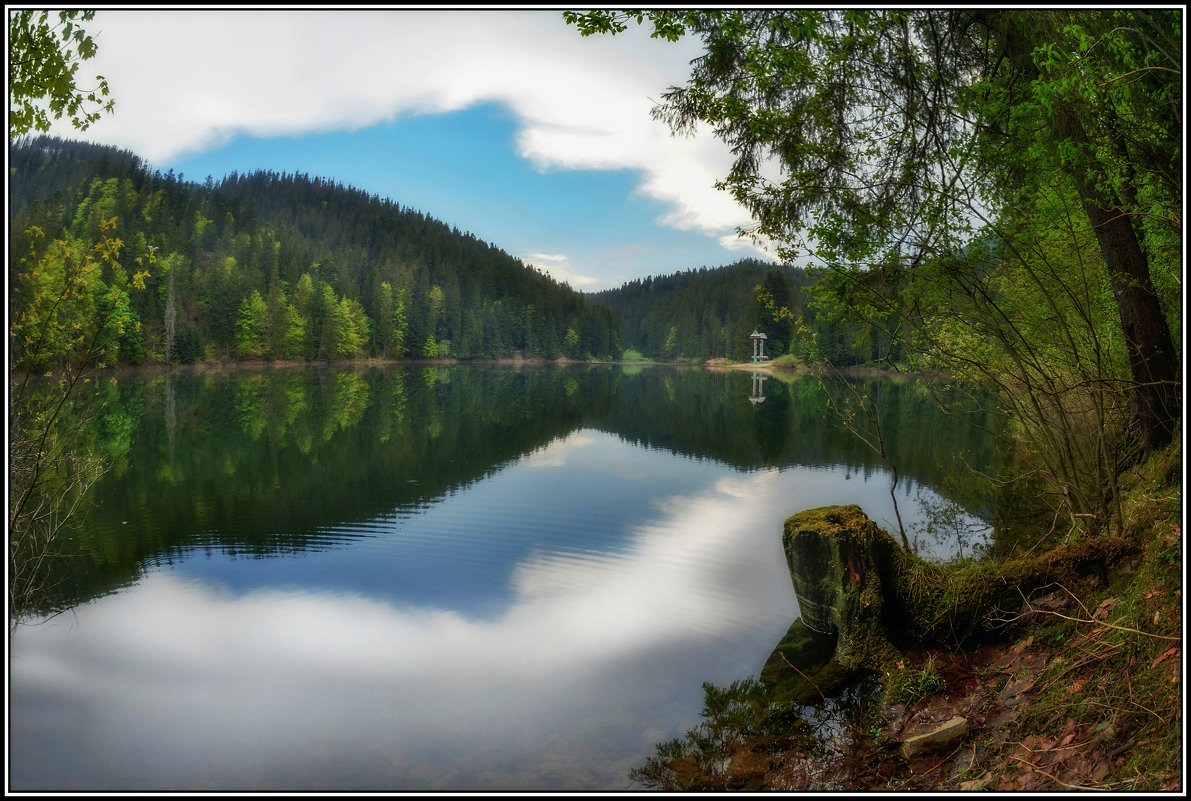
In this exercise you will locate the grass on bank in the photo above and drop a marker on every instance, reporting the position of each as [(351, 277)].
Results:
[(1106, 712), (1117, 672)]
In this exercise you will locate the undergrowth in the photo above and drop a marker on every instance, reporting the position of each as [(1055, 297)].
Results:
[(1117, 672), (1101, 618)]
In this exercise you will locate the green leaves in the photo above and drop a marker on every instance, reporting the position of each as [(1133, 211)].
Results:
[(667, 24), (598, 22), (43, 64), (63, 312)]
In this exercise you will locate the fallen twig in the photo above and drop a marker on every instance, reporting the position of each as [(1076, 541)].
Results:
[(1051, 748), (809, 681), (1147, 709), (1057, 780), (1105, 623), (1074, 597), (953, 753), (1031, 608)]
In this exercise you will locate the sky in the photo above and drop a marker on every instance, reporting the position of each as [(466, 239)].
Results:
[(503, 123)]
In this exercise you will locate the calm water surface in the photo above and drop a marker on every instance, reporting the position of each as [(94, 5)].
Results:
[(463, 578)]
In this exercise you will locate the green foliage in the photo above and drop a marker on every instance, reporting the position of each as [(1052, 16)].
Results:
[(251, 327), (670, 346), (705, 313), (52, 302), (43, 64), (993, 192), (570, 342), (287, 326), (906, 682), (63, 311), (390, 321), (794, 86), (347, 328), (68, 318), (69, 308)]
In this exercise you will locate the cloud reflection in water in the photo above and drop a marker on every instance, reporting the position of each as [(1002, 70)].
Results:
[(181, 684), (177, 684)]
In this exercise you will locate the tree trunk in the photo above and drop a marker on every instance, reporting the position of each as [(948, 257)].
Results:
[(1152, 359)]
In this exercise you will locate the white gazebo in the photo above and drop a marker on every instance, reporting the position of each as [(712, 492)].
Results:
[(758, 346)]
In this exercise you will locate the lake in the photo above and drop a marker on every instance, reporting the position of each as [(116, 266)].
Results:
[(469, 578)]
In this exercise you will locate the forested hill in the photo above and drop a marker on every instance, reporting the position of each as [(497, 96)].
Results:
[(705, 313), (710, 312), (264, 266), (270, 266)]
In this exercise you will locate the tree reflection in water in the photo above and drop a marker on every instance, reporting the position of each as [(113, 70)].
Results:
[(755, 737)]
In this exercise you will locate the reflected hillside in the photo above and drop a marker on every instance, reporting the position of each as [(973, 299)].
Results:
[(257, 463), (714, 415), (261, 462)]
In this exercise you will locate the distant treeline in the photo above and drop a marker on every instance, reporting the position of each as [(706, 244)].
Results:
[(706, 313), (710, 313), (286, 266)]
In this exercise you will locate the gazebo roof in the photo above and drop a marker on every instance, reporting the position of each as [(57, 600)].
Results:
[(755, 335)]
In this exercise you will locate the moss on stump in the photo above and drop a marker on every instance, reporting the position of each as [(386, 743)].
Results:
[(836, 557), (854, 580)]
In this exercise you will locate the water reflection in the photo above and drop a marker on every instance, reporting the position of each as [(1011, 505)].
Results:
[(206, 675), (427, 579), (757, 393), (297, 462), (286, 689)]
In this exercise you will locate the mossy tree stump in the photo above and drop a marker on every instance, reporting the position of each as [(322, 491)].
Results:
[(853, 579), (836, 557)]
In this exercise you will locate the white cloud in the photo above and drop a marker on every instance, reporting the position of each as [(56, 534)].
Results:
[(189, 80), (556, 266)]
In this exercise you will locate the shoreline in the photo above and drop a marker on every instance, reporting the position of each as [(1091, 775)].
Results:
[(768, 367), (265, 364)]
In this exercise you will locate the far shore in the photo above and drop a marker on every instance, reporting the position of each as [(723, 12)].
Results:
[(767, 367)]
